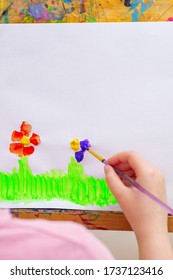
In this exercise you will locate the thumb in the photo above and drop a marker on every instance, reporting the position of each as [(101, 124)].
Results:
[(114, 182)]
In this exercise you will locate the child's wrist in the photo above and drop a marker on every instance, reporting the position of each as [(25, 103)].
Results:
[(155, 247), (153, 239), (154, 234)]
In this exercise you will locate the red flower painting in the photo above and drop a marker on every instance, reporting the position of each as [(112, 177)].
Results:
[(23, 144)]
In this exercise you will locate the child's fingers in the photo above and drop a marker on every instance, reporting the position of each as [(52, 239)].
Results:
[(130, 173), (135, 161), (114, 182), (123, 166)]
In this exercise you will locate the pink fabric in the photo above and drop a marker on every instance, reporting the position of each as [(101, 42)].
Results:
[(47, 240)]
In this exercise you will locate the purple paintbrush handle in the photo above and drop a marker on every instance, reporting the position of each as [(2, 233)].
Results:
[(142, 189)]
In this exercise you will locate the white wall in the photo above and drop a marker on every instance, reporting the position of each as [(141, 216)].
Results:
[(122, 244)]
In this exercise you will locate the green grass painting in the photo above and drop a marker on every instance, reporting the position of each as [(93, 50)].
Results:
[(74, 186)]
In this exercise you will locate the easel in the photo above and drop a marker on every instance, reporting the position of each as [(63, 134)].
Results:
[(95, 220)]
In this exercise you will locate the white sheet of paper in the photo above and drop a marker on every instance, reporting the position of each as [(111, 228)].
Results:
[(110, 83)]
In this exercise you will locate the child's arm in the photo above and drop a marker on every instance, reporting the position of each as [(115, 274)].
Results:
[(147, 219)]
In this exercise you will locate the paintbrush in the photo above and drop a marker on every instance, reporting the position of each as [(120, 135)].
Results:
[(134, 183)]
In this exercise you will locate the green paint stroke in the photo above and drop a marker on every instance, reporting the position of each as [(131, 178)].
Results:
[(74, 186)]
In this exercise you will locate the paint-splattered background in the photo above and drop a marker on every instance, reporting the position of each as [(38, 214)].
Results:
[(75, 11)]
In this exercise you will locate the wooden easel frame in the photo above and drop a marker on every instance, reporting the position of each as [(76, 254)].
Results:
[(95, 220)]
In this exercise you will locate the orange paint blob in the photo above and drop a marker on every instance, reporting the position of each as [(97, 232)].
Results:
[(26, 128), (35, 139)]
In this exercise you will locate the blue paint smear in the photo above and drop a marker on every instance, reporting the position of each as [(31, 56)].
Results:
[(134, 4), (145, 7), (55, 17), (38, 12), (135, 16), (141, 6), (5, 14), (6, 19), (67, 1)]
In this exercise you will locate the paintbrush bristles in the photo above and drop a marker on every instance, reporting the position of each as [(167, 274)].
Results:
[(96, 155)]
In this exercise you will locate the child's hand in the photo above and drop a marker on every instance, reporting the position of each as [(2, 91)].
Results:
[(147, 219)]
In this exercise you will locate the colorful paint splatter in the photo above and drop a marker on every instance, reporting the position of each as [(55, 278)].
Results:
[(80, 11)]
